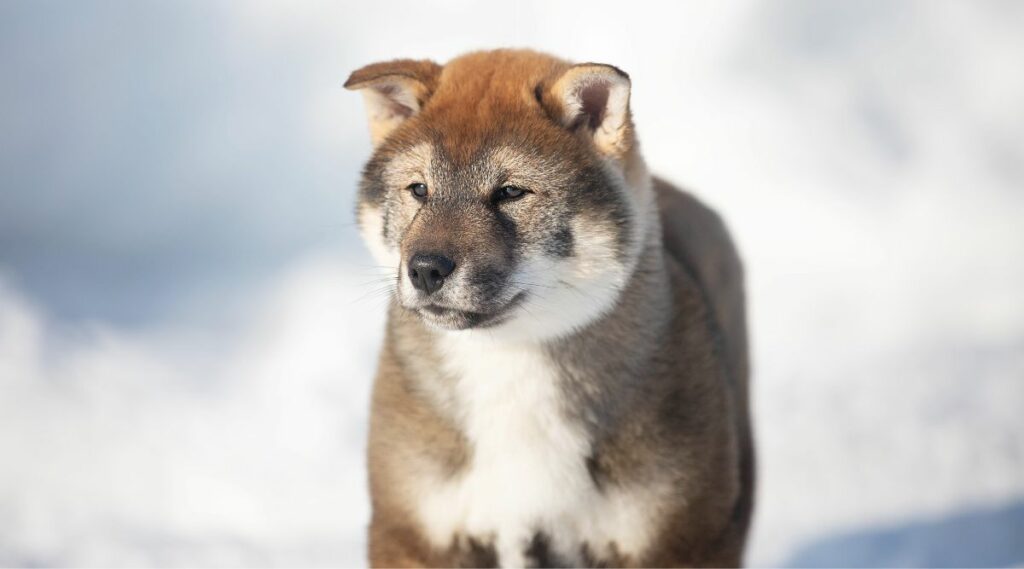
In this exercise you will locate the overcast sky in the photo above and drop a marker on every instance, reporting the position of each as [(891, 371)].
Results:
[(150, 154)]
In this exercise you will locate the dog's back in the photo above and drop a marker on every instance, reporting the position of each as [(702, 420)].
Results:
[(696, 237)]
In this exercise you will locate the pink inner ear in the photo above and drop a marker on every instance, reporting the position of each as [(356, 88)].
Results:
[(390, 92), (594, 101)]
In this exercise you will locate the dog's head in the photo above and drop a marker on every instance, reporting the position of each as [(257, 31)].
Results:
[(505, 188)]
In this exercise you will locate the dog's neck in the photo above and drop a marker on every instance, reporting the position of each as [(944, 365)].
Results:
[(532, 414)]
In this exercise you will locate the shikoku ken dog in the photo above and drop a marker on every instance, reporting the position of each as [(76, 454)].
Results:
[(564, 376)]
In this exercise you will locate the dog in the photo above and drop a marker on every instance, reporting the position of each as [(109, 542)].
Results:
[(563, 380)]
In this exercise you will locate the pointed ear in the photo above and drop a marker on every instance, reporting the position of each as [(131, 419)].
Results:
[(594, 97), (393, 91)]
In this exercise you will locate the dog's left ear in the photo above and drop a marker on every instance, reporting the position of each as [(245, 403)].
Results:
[(393, 91), (594, 97)]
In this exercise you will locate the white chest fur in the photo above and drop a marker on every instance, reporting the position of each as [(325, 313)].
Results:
[(528, 471)]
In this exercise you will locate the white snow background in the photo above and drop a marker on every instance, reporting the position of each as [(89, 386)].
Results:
[(189, 323)]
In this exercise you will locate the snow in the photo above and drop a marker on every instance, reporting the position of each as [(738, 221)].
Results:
[(119, 453), (868, 158)]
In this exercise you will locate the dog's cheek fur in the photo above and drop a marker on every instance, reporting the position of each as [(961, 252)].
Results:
[(372, 215), (373, 227), (578, 245), (568, 293)]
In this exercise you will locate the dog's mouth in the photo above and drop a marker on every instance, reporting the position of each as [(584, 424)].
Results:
[(456, 319)]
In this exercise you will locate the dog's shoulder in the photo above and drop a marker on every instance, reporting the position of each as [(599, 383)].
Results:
[(696, 237)]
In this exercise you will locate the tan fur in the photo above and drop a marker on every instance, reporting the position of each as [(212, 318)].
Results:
[(657, 382)]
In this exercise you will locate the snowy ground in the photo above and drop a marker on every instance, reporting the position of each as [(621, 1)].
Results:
[(188, 324)]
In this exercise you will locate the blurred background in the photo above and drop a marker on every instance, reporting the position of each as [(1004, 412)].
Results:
[(188, 323)]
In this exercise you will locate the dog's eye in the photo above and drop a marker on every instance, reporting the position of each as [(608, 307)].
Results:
[(419, 191), (509, 193)]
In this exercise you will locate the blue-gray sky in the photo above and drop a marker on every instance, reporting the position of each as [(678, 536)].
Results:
[(147, 160)]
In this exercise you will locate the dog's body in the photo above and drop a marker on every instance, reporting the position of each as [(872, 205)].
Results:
[(563, 380)]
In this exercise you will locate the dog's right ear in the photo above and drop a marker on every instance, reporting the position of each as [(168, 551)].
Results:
[(393, 91), (594, 98)]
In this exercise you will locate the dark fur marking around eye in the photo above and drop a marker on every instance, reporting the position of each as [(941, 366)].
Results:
[(508, 225)]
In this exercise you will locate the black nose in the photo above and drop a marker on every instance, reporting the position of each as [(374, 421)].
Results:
[(427, 272)]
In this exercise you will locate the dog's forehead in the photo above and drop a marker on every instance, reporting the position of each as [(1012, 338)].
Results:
[(486, 86), (488, 100), (484, 122), (488, 167), (514, 135), (501, 161)]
